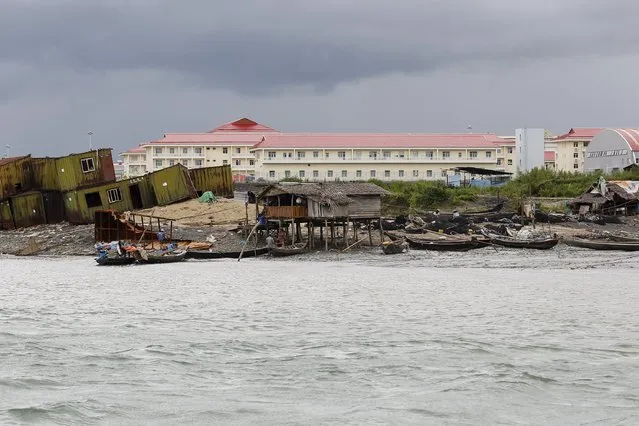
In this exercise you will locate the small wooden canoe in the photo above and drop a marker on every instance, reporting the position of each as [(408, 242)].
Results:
[(293, 250), (537, 244), (206, 254), (443, 245), (154, 258), (602, 245), (115, 261)]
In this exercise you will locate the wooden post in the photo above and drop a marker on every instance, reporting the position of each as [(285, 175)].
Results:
[(355, 235), (332, 232), (345, 227), (326, 239), (381, 231), (370, 233), (293, 230)]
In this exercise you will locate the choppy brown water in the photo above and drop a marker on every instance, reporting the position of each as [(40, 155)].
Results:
[(507, 337)]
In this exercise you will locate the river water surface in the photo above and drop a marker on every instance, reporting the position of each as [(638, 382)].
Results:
[(507, 337)]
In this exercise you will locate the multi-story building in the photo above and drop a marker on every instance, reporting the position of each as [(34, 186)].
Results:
[(506, 154), (133, 162), (365, 156), (571, 148), (226, 144)]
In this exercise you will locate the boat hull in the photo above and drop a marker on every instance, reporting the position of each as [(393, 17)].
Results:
[(445, 245), (544, 244), (167, 258), (115, 261), (205, 254), (602, 245)]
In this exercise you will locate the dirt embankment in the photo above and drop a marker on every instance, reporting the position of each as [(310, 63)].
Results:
[(194, 213)]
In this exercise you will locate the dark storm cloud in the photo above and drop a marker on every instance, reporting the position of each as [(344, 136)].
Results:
[(258, 46)]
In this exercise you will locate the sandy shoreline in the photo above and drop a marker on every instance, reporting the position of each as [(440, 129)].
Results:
[(219, 221)]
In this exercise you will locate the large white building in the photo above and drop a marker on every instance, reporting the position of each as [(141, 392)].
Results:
[(227, 144), (359, 156), (570, 148), (612, 150), (252, 149)]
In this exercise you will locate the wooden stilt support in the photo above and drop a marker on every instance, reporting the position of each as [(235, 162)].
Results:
[(370, 233), (326, 239), (381, 231)]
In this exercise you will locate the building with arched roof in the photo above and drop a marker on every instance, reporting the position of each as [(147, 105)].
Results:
[(612, 150)]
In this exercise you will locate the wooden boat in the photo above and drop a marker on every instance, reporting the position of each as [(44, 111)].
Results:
[(394, 247), (206, 254), (115, 261), (298, 248), (161, 257), (443, 245), (601, 244), (536, 243)]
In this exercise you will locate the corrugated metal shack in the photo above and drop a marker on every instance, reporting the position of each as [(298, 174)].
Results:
[(31, 188), (74, 171), (218, 180), (159, 188)]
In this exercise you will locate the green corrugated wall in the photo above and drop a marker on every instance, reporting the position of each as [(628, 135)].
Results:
[(172, 184), (218, 180), (6, 218), (28, 210)]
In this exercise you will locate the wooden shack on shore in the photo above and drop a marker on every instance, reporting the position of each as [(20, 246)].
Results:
[(609, 198), (326, 206)]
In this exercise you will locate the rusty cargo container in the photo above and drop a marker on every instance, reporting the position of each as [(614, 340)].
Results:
[(74, 170), (28, 209), (124, 195), (172, 184), (218, 180), (16, 176)]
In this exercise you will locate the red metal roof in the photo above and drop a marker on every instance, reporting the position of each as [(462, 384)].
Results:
[(580, 133), (134, 150), (631, 136), (549, 155), (242, 125), (361, 140), (9, 160), (208, 139)]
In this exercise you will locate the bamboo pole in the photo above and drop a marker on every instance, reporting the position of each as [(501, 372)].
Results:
[(247, 240)]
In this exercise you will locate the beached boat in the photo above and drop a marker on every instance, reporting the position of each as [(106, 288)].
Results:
[(443, 245), (115, 260), (394, 247), (512, 242), (160, 256), (298, 248), (602, 244), (207, 254)]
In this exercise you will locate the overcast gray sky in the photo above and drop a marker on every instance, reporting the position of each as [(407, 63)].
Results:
[(132, 70)]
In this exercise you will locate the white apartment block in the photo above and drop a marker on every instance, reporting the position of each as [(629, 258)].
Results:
[(227, 144), (255, 150), (348, 157), (571, 148)]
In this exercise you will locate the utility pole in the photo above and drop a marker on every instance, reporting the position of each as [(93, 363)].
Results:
[(90, 140)]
